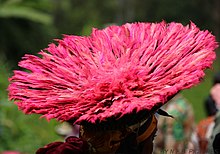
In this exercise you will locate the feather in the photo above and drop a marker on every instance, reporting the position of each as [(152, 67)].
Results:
[(113, 72)]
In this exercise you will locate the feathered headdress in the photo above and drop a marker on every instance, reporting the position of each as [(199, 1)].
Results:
[(112, 73)]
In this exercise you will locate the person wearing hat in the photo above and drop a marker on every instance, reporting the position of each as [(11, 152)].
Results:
[(112, 83)]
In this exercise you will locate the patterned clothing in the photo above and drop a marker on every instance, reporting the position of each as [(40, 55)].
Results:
[(174, 133)]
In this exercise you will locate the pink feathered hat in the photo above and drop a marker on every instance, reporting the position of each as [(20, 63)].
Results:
[(114, 74)]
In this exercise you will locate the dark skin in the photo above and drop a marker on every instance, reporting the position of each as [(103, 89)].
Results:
[(148, 143), (129, 146)]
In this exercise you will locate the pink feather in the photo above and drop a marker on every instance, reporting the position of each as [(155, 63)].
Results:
[(112, 72)]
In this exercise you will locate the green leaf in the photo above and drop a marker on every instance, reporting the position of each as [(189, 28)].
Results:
[(8, 11)]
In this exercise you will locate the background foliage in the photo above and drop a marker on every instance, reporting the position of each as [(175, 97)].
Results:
[(28, 26)]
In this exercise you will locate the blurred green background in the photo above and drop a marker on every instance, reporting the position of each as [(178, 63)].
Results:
[(27, 26)]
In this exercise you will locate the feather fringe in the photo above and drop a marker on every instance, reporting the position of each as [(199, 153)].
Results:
[(112, 72)]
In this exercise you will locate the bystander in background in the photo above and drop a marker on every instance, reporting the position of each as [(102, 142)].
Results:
[(205, 126), (214, 141), (174, 134), (210, 105)]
